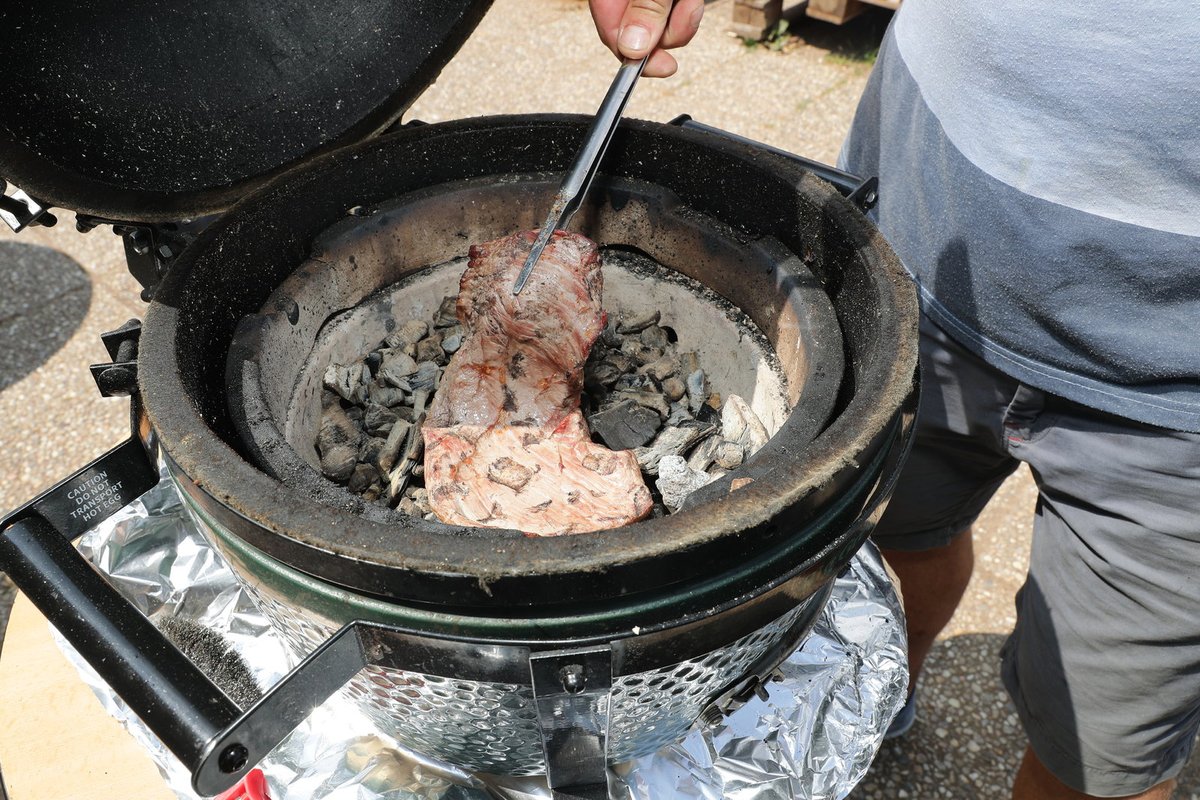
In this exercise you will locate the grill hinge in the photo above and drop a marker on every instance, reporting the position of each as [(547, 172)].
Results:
[(19, 211)]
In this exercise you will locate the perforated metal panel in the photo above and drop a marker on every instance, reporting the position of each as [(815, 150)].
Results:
[(492, 727)]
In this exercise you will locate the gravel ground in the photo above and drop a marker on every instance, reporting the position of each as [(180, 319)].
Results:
[(60, 289)]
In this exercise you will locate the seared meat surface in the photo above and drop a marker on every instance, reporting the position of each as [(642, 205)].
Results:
[(505, 443)]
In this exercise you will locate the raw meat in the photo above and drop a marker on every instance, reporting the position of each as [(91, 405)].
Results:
[(505, 443)]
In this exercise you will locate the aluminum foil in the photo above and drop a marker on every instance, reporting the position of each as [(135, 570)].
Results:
[(813, 737)]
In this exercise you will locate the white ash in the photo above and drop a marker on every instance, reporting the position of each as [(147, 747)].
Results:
[(642, 392)]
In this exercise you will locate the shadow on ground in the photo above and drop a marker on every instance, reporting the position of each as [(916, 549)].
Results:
[(44, 296), (967, 742), (856, 41)]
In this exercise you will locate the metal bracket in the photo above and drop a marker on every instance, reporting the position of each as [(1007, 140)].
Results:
[(150, 250), (20, 211), (119, 377), (573, 690)]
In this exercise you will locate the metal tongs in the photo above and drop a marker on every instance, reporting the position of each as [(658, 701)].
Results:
[(579, 178)]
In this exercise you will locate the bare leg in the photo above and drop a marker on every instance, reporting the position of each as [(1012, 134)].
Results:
[(1034, 782), (932, 582)]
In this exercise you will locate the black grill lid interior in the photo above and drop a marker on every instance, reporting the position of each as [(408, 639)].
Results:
[(151, 111)]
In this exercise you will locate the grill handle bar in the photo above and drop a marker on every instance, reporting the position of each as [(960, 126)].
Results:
[(217, 741), (863, 192)]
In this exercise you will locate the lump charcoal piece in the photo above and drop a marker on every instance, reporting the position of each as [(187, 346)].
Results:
[(625, 425), (397, 366), (651, 400), (387, 396), (426, 377), (364, 475), (377, 417), (452, 341), (671, 441), (373, 361), (729, 455), (676, 480), (512, 391), (405, 338), (661, 368), (704, 454), (679, 414), (688, 363), (674, 389), (640, 353), (447, 313), (431, 350), (337, 444), (655, 337), (368, 451), (697, 390), (740, 424), (638, 324), (389, 452), (636, 383), (348, 381)]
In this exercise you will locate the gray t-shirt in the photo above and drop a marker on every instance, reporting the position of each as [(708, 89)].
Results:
[(1039, 169)]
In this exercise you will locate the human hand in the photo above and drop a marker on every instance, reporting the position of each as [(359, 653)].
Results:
[(633, 28)]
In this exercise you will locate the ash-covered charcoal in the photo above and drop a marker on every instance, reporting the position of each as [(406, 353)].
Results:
[(643, 391)]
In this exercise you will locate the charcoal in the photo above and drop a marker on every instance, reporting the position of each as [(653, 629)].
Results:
[(676, 481), (652, 400), (348, 381), (426, 377), (329, 398), (639, 352), (373, 360), (364, 475), (625, 425), (604, 374), (447, 313), (638, 324), (405, 338), (419, 400), (418, 470), (688, 363), (609, 338), (387, 395), (709, 415), (373, 492), (452, 341), (729, 455), (407, 413), (407, 507), (377, 416), (654, 336), (430, 350), (671, 441), (741, 425), (704, 454), (714, 401), (697, 390), (679, 414), (619, 361), (337, 441), (633, 382), (368, 451), (396, 368), (674, 389), (389, 452), (355, 414), (661, 369)]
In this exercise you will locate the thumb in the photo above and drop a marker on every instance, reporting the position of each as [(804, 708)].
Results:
[(642, 26)]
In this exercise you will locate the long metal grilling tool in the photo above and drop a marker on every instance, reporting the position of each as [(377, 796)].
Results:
[(574, 187)]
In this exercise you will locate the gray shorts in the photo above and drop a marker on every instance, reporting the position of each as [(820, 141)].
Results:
[(1104, 662)]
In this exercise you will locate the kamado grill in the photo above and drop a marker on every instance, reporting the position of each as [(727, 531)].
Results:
[(495, 651)]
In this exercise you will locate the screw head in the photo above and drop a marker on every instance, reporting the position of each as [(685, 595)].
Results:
[(573, 678), (233, 758)]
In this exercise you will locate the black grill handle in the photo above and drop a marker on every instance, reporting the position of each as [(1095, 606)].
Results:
[(212, 737), (863, 192), (170, 694)]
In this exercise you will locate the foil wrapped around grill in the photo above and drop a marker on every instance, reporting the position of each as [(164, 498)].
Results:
[(813, 736)]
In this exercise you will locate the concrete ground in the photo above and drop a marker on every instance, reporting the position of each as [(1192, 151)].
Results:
[(59, 290)]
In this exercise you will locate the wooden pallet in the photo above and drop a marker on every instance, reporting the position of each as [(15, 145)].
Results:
[(754, 19)]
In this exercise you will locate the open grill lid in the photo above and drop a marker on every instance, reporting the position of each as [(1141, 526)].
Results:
[(150, 112)]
